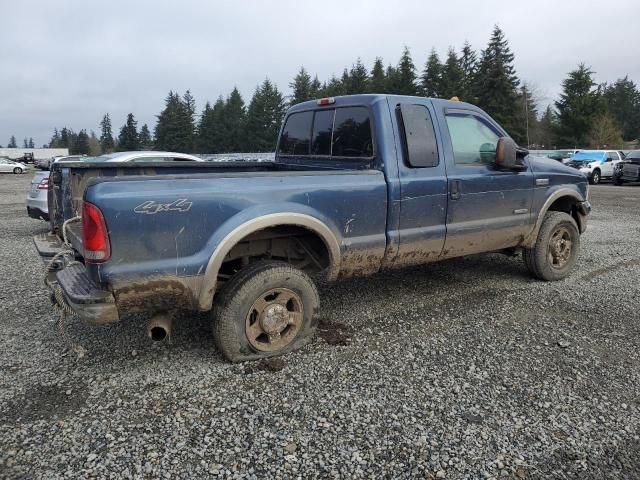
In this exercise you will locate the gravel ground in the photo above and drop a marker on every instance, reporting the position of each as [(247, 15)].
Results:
[(462, 369)]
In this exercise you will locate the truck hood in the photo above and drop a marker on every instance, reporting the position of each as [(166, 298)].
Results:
[(547, 166)]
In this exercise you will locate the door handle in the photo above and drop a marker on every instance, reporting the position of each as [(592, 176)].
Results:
[(454, 189)]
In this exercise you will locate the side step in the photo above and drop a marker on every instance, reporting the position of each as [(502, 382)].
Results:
[(47, 244)]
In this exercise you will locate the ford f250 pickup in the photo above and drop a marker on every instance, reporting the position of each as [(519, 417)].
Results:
[(360, 184)]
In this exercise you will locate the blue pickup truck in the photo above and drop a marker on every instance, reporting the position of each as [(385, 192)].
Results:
[(360, 184)]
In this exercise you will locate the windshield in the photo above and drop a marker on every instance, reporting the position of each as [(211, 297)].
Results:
[(588, 156), (635, 155)]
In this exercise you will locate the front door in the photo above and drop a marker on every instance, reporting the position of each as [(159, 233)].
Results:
[(489, 208)]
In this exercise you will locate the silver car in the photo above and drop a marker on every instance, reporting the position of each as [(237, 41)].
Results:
[(37, 206), (9, 166)]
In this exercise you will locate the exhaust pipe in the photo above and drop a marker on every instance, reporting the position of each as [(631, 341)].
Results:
[(159, 327)]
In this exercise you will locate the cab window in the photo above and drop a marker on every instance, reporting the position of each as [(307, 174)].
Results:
[(474, 142)]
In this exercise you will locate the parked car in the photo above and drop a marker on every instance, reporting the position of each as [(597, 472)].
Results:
[(359, 184), (44, 163), (10, 166), (596, 164), (629, 169), (37, 197), (562, 155)]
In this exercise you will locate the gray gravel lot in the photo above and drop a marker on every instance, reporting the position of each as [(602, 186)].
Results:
[(462, 369)]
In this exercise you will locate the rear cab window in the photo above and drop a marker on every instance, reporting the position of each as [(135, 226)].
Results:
[(341, 132)]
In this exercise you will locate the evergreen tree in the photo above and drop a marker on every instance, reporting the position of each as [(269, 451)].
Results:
[(578, 106), (547, 127), (431, 80), (391, 80), (81, 144), (12, 142), (333, 87), (377, 80), (623, 102), (128, 138), (357, 79), (31, 143), (55, 139), (497, 85), (106, 135), (210, 135), (25, 143), (145, 142), (316, 87), (264, 116), (405, 82), (468, 65), (233, 122), (302, 87), (190, 129), (174, 130), (452, 79), (94, 145), (528, 114)]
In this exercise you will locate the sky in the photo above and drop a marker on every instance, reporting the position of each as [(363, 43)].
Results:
[(67, 63)]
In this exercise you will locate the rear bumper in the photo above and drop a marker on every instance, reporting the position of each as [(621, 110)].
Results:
[(37, 213), (72, 287), (37, 207)]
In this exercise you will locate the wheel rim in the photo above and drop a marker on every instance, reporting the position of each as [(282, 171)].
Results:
[(560, 248), (596, 177), (274, 320)]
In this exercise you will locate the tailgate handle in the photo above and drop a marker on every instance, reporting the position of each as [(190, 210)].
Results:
[(454, 189)]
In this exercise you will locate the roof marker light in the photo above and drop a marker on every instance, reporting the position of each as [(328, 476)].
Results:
[(326, 101)]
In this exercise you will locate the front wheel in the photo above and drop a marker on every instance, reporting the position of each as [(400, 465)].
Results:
[(618, 181), (267, 309), (556, 249), (17, 170), (595, 177)]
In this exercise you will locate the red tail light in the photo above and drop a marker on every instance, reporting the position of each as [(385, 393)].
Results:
[(44, 184), (326, 101), (95, 238)]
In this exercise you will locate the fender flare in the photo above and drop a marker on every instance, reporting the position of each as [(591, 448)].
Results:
[(563, 192), (209, 282)]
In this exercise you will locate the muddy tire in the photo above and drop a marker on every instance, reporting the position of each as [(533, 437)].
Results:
[(556, 249), (17, 170), (595, 177), (267, 309)]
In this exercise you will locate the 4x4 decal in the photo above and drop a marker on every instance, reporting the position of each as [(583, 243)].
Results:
[(151, 207)]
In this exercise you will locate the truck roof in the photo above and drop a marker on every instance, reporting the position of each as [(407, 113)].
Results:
[(372, 98)]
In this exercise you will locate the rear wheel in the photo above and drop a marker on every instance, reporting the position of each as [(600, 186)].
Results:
[(595, 177), (17, 170), (266, 309), (556, 249)]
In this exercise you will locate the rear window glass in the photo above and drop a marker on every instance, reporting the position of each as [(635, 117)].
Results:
[(337, 132), (322, 129), (352, 133), (296, 134)]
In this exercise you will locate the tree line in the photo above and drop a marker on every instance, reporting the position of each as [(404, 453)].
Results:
[(585, 114)]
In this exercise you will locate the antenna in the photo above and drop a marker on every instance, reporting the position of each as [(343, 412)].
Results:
[(526, 112)]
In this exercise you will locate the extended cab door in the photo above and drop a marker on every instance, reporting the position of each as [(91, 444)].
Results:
[(489, 208), (609, 162), (423, 183)]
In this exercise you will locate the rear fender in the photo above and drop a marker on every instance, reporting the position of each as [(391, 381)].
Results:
[(255, 219)]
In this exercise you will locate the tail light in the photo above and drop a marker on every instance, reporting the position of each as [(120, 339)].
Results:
[(44, 184), (95, 237)]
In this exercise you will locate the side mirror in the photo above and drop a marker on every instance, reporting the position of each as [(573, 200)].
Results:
[(509, 156)]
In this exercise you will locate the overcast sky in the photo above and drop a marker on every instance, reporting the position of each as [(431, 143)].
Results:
[(67, 63)]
